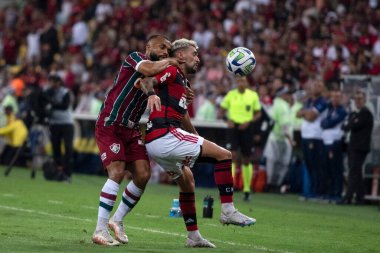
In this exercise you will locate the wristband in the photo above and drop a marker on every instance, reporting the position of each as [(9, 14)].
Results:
[(150, 93)]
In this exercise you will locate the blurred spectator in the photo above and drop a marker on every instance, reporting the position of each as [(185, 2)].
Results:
[(332, 146), (33, 43), (278, 148), (16, 81), (49, 44), (311, 132), (10, 47), (207, 111), (15, 132), (79, 34), (103, 10), (294, 178), (10, 99), (360, 124), (61, 123)]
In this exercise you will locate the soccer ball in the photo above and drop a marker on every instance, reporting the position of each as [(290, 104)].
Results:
[(240, 61)]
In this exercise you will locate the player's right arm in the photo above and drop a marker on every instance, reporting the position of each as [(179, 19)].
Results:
[(146, 67), (7, 129), (147, 86), (152, 68), (225, 106)]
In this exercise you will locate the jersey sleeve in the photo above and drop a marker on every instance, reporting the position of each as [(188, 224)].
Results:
[(167, 75), (226, 101), (256, 103), (7, 129), (134, 60), (320, 105)]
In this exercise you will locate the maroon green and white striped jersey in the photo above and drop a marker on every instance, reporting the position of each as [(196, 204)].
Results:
[(124, 103)]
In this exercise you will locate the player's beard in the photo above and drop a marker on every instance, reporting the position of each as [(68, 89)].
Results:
[(154, 57), (191, 69)]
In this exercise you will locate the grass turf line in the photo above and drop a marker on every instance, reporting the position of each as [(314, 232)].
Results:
[(41, 216)]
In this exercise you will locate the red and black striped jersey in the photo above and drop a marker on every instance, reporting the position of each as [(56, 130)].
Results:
[(171, 89), (124, 103)]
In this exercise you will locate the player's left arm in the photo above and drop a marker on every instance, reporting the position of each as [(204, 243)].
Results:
[(256, 113), (187, 125), (147, 86), (7, 129), (189, 95), (313, 113), (256, 108)]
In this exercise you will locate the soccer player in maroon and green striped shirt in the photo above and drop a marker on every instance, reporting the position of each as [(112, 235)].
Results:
[(119, 138)]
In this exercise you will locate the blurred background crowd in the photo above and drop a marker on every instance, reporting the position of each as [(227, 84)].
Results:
[(84, 41)]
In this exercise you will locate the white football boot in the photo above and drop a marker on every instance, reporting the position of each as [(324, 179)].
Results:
[(118, 228), (199, 243), (103, 237), (236, 218)]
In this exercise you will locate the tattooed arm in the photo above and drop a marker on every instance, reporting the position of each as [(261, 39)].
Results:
[(147, 86)]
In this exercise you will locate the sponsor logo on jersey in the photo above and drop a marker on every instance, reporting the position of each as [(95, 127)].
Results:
[(182, 102), (115, 148), (149, 125), (164, 77), (103, 156)]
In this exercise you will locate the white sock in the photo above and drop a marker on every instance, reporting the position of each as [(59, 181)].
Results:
[(228, 208), (131, 196), (194, 234), (107, 201)]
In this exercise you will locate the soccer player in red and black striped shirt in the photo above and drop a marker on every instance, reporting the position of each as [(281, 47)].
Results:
[(176, 150), (119, 138)]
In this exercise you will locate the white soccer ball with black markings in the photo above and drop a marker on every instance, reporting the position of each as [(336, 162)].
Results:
[(240, 61)]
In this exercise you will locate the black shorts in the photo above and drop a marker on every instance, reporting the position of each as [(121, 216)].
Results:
[(240, 140)]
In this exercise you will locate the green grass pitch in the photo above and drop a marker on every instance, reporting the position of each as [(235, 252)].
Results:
[(41, 216)]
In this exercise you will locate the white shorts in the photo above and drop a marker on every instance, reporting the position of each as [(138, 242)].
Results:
[(175, 150)]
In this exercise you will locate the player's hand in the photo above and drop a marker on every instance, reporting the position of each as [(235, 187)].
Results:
[(243, 126), (230, 124), (301, 113), (174, 62), (189, 95), (154, 102)]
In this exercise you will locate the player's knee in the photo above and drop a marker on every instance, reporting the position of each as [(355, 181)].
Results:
[(189, 186), (142, 177), (116, 171)]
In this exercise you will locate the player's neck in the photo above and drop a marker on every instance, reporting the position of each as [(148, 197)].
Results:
[(183, 69)]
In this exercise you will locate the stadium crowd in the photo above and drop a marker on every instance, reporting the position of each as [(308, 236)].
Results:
[(83, 42)]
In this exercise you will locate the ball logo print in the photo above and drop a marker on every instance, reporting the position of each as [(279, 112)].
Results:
[(240, 61)]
